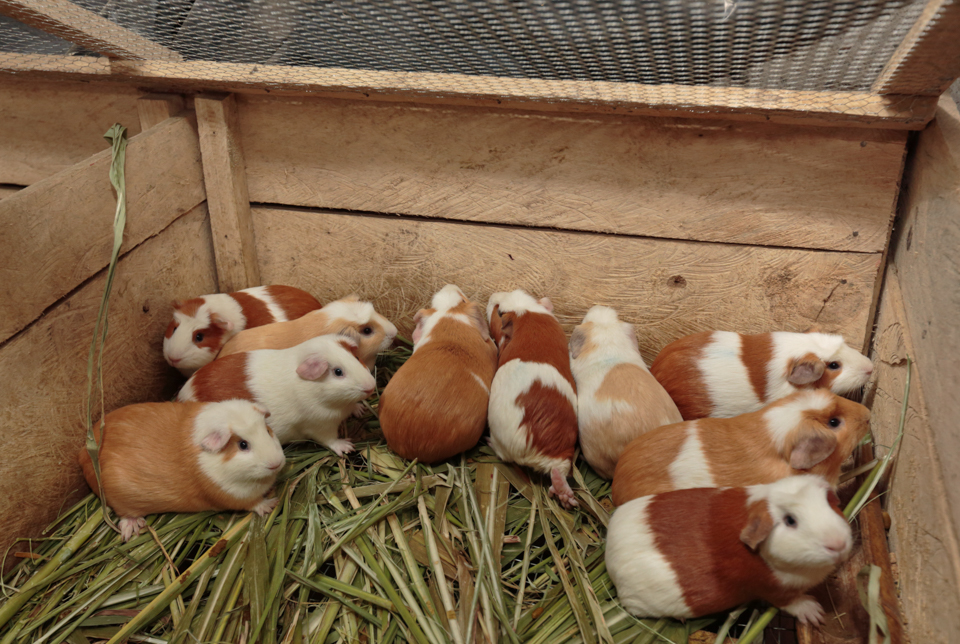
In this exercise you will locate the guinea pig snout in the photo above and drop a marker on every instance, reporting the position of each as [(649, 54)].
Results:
[(838, 546), (275, 465)]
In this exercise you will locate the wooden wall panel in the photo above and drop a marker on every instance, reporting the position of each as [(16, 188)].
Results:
[(44, 369), (46, 127), (733, 182), (667, 288), (59, 232)]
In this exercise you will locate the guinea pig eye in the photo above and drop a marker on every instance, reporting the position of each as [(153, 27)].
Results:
[(198, 337), (243, 445), (834, 422), (367, 330), (833, 366), (790, 521), (338, 372)]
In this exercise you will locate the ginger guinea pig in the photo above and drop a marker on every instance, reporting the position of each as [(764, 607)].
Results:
[(435, 405), (374, 331), (533, 398), (722, 374), (695, 552), (200, 326), (309, 389), (185, 457), (813, 431), (617, 397)]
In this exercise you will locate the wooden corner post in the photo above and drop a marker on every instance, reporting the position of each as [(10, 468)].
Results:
[(225, 176)]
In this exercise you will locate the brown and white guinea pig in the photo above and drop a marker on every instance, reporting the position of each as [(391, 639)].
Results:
[(185, 457), (695, 552), (813, 431), (533, 398), (374, 331), (617, 397), (309, 389), (202, 325), (435, 405), (722, 374)]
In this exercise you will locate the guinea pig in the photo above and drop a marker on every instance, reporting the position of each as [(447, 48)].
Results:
[(533, 398), (375, 332), (202, 325), (813, 431), (695, 552), (617, 397), (185, 457), (722, 374), (435, 405), (309, 388)]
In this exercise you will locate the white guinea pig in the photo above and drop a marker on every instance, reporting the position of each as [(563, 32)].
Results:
[(185, 457), (617, 397), (721, 374), (201, 325), (695, 552), (309, 389)]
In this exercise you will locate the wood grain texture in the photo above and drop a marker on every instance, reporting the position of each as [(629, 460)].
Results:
[(47, 127), (9, 190), (154, 109), (58, 232), (740, 183), (927, 61), (225, 176), (667, 288), (85, 28), (44, 370)]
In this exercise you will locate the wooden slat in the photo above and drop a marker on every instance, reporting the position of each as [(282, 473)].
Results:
[(44, 370), (85, 28), (9, 190), (58, 233), (225, 176), (928, 59), (667, 288), (853, 109), (154, 109), (46, 127), (741, 183)]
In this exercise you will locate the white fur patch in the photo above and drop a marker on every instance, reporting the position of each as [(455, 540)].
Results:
[(434, 319), (690, 469), (260, 292), (447, 298), (726, 377), (186, 392), (646, 583), (783, 418), (518, 302)]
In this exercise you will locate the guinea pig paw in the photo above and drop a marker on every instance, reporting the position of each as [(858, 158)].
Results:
[(341, 446), (360, 410), (806, 609), (265, 506), (561, 489), (130, 527)]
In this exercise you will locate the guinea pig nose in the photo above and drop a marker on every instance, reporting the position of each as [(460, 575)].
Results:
[(837, 545), (175, 360), (275, 466)]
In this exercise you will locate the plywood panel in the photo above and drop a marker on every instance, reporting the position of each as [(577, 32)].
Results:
[(672, 178), (59, 232), (47, 127), (667, 288), (44, 369)]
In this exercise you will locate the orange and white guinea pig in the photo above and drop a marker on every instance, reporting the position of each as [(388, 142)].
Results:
[(696, 552), (723, 374), (435, 405), (617, 397), (202, 325), (812, 431), (185, 457)]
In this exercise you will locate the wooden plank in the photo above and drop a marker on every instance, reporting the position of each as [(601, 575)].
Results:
[(44, 370), (673, 178), (225, 176), (7, 190), (57, 233), (928, 59), (154, 109), (85, 28), (849, 109), (667, 288), (46, 127), (923, 533)]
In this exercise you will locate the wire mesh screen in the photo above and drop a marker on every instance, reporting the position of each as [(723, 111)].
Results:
[(793, 44)]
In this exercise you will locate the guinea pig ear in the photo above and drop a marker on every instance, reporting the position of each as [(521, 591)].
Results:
[(805, 370), (262, 410), (313, 367), (177, 305), (812, 443), (349, 343), (418, 319), (546, 303), (577, 339), (218, 320), (476, 317), (814, 328), (759, 525), (215, 441)]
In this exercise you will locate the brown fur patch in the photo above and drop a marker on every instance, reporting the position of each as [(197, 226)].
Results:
[(675, 368), (191, 306), (580, 344), (212, 335), (855, 425), (222, 379), (643, 466), (254, 310), (756, 351), (294, 302), (171, 328), (537, 337), (550, 419), (495, 324)]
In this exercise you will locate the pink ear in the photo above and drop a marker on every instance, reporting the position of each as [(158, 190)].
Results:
[(418, 320), (759, 525), (217, 320), (313, 367), (215, 440), (262, 410), (546, 303), (349, 344)]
